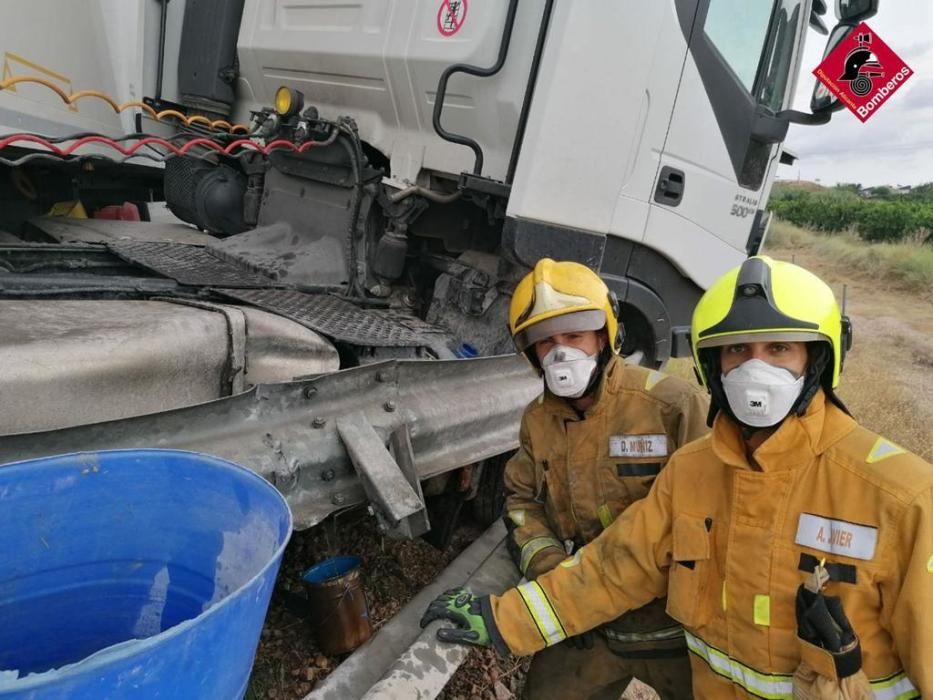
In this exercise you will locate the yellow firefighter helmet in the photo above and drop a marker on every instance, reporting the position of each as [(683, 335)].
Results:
[(768, 300), (562, 297)]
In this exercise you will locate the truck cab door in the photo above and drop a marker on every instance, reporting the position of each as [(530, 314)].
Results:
[(716, 166)]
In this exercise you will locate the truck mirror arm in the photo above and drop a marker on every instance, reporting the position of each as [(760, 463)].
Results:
[(772, 128), (794, 116)]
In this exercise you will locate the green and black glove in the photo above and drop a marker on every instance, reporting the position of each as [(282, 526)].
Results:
[(471, 615)]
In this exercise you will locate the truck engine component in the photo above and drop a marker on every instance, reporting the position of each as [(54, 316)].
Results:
[(208, 196), (207, 59)]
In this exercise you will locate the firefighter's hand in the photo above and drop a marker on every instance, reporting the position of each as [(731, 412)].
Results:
[(463, 609), (583, 641)]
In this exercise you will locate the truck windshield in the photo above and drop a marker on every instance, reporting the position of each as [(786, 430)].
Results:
[(778, 57)]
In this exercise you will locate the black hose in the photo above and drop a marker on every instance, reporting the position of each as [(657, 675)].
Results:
[(529, 91), (354, 151), (479, 72), (159, 67)]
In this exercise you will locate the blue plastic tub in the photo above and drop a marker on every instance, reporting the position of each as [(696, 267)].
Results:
[(134, 574)]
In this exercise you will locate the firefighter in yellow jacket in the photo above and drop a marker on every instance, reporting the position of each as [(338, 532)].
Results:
[(591, 445), (795, 546)]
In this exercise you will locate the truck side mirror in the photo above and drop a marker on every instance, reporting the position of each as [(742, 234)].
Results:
[(823, 101), (817, 10), (772, 128), (856, 10)]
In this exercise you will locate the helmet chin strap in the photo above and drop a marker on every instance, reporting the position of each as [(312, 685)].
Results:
[(819, 373), (818, 359)]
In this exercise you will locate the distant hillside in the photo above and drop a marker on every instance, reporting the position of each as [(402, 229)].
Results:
[(798, 186)]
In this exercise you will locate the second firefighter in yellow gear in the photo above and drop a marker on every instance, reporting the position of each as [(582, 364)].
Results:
[(787, 488), (729, 543), (585, 456)]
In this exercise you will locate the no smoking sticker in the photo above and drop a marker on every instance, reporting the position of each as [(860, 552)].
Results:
[(450, 16)]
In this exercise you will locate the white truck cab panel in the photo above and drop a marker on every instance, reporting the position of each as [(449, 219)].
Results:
[(599, 116), (379, 61)]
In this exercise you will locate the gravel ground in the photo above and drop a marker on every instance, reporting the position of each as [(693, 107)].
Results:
[(288, 663)]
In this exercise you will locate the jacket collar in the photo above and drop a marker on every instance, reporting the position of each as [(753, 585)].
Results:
[(798, 440)]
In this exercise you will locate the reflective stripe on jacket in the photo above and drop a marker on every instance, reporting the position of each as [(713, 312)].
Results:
[(726, 543)]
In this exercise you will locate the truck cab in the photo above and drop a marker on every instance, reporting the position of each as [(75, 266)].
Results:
[(638, 139)]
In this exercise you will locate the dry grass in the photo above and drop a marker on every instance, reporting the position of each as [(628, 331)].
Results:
[(909, 265), (799, 185), (883, 392), (889, 373)]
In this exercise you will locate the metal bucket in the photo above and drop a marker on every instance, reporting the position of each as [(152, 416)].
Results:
[(134, 574), (337, 605)]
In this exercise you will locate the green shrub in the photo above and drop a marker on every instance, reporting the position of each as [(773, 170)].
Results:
[(897, 218), (885, 221)]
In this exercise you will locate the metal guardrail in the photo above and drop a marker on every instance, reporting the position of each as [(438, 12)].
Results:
[(423, 417)]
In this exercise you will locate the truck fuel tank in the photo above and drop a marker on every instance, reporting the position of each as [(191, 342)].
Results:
[(73, 362)]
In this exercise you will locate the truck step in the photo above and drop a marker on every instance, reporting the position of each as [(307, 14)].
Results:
[(190, 265), (341, 320)]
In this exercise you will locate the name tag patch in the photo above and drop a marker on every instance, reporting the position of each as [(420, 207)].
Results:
[(837, 536), (638, 445)]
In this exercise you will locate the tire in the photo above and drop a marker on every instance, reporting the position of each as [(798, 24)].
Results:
[(639, 340), (489, 503), (444, 515)]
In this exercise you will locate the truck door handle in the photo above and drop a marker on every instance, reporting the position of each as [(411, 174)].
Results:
[(670, 189)]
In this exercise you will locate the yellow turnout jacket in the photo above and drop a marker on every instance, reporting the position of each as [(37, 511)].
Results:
[(729, 541)]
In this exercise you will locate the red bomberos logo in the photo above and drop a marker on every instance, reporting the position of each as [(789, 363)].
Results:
[(863, 72)]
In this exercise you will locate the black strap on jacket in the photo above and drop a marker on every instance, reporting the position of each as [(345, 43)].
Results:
[(841, 573)]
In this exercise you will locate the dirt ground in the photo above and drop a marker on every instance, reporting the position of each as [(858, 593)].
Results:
[(288, 662), (887, 379)]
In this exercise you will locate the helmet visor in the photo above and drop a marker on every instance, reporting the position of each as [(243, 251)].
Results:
[(763, 336), (576, 322)]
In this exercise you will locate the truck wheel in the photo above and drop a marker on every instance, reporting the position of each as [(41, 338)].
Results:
[(444, 515), (638, 344), (489, 502)]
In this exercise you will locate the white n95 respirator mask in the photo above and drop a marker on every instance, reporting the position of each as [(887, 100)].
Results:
[(759, 394), (567, 371)]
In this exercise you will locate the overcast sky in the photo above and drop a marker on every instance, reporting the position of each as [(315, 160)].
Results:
[(895, 146)]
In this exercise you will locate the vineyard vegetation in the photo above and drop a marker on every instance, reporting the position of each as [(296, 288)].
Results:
[(878, 215)]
